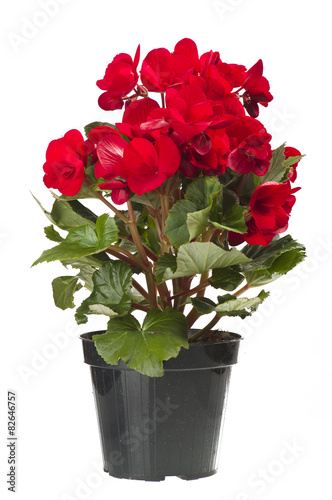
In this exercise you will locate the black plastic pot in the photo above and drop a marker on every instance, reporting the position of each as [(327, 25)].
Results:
[(153, 427)]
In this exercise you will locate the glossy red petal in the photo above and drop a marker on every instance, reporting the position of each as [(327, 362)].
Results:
[(97, 133), (108, 102), (144, 183), (110, 152), (140, 157), (188, 48), (138, 111), (155, 72), (168, 156)]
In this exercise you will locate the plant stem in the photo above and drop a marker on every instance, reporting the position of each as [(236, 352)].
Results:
[(123, 254), (140, 289), (162, 99), (112, 207), (138, 306), (141, 252), (242, 290), (206, 329), (194, 290), (194, 314), (192, 317)]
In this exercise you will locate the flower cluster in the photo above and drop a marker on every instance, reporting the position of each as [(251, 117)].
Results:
[(206, 124)]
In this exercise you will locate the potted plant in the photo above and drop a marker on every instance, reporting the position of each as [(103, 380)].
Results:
[(193, 198)]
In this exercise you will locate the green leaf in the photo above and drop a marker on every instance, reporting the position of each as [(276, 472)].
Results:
[(203, 305), (226, 278), (152, 240), (196, 258), (144, 349), (110, 286), (291, 160), (165, 262), (84, 193), (176, 228), (197, 222), (52, 234), (201, 191), (70, 214), (229, 305), (270, 262), (188, 218), (83, 241), (150, 199), (277, 167), (228, 214), (64, 288)]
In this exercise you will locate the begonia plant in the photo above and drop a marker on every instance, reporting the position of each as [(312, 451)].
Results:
[(193, 197)]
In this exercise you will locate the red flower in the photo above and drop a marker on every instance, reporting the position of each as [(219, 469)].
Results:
[(162, 70), (120, 191), (257, 89), (242, 128), (135, 114), (270, 206), (252, 155), (289, 152), (65, 161), (110, 151), (189, 109), (146, 166), (120, 79)]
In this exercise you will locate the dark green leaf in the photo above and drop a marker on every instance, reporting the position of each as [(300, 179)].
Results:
[(64, 288), (165, 262), (226, 278), (229, 305), (150, 199), (228, 214), (197, 222), (110, 286), (144, 349), (70, 214), (277, 167), (203, 305), (201, 191), (52, 234), (270, 262), (83, 241), (176, 228)]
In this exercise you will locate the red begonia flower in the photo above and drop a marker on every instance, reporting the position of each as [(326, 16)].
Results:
[(120, 191), (135, 114), (242, 128), (189, 109), (146, 166), (257, 89), (65, 161), (252, 155), (110, 151), (289, 151), (162, 70), (270, 206), (120, 79)]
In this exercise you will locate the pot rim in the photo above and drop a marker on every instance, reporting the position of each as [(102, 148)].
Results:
[(235, 337), (199, 356)]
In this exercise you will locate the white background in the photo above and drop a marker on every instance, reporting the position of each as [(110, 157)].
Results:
[(281, 389)]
